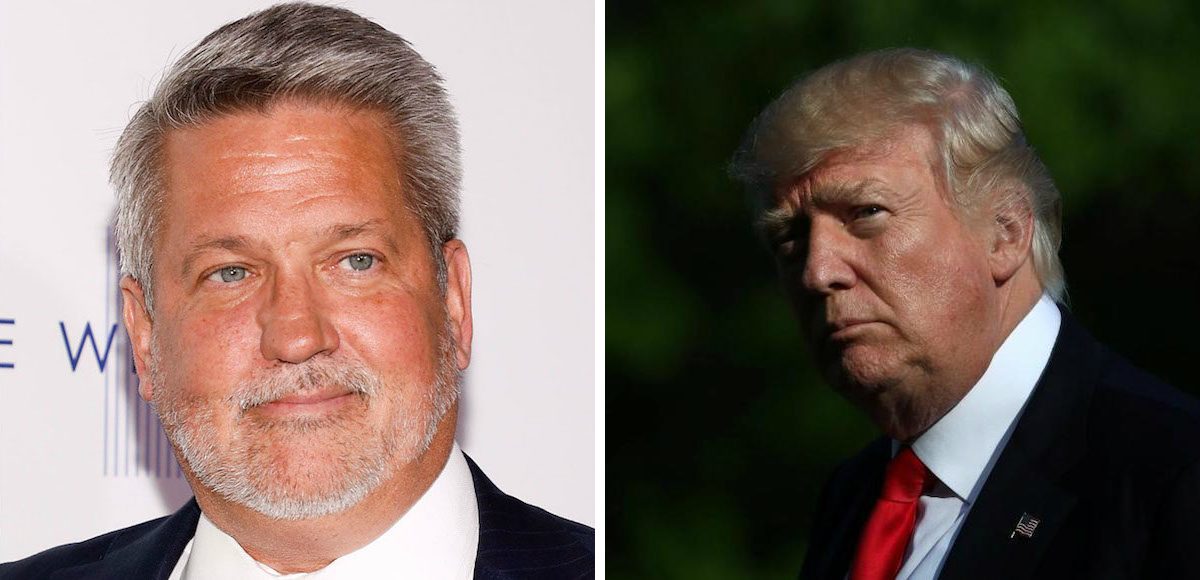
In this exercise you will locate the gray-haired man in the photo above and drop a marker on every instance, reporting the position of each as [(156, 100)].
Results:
[(916, 233), (300, 310)]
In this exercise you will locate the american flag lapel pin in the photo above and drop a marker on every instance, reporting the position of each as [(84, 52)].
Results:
[(1025, 526)]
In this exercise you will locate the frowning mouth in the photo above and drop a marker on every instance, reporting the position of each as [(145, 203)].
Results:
[(847, 330)]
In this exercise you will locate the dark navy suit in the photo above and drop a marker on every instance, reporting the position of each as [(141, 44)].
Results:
[(516, 541), (1104, 457)]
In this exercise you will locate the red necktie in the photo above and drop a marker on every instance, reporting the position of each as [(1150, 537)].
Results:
[(887, 533)]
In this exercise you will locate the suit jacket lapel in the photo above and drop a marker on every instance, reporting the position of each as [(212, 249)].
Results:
[(499, 530), (1024, 485), (989, 545), (847, 501)]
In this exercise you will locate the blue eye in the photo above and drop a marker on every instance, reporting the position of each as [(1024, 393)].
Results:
[(229, 274), (359, 262)]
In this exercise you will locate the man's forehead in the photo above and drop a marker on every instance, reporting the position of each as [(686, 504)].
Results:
[(829, 190), (298, 167), (289, 147), (283, 126), (856, 169), (908, 141)]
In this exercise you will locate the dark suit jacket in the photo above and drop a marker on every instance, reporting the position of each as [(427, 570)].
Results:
[(516, 540), (1105, 456)]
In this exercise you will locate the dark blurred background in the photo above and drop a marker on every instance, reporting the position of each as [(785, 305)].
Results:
[(718, 432)]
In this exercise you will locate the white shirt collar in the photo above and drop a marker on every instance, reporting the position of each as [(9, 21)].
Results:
[(962, 446), (437, 538)]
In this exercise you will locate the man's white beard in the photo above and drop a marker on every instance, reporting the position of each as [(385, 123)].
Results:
[(358, 456)]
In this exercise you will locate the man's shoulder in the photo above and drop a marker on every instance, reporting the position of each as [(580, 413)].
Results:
[(506, 513), (1096, 418), (520, 540), (130, 545), (71, 555), (1137, 417), (1110, 455)]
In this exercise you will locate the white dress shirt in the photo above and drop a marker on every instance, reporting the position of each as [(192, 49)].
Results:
[(961, 448), (437, 538)]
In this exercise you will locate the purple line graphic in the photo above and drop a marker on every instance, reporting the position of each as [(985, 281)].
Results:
[(108, 263), (7, 341), (106, 397)]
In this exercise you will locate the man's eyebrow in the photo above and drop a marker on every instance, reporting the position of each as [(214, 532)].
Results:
[(340, 232), (832, 193), (779, 219), (230, 243), (776, 220)]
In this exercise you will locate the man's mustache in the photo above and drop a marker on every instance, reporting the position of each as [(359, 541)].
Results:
[(273, 384)]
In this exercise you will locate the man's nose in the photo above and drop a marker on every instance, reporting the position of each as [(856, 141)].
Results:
[(826, 265), (294, 321)]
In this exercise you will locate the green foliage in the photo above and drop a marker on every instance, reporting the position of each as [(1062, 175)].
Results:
[(719, 433)]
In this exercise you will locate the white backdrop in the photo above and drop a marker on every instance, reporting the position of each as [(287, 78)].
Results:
[(80, 455)]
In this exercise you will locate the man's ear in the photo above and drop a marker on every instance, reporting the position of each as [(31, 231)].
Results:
[(1012, 235), (139, 324), (458, 298)]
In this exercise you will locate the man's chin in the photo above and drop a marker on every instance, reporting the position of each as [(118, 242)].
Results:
[(292, 470), (296, 507), (862, 380), (297, 487)]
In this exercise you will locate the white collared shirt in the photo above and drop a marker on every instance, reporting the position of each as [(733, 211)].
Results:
[(437, 538), (961, 448)]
